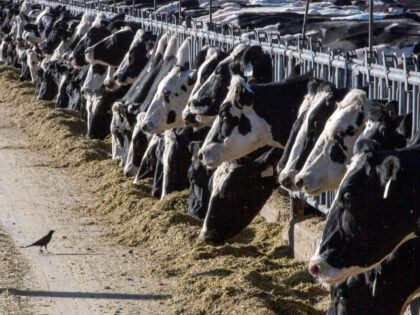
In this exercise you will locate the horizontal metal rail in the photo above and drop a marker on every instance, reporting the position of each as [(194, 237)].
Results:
[(380, 74)]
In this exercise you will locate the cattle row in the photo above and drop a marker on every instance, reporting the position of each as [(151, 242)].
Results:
[(222, 129)]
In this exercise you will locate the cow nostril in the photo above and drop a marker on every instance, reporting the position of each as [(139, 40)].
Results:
[(87, 51), (287, 182), (314, 270), (299, 183), (115, 77), (200, 156)]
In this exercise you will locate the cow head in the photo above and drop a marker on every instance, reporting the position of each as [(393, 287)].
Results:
[(326, 164), (135, 59), (213, 57), (165, 110), (238, 129), (318, 105), (204, 104), (110, 51), (33, 62), (96, 32), (371, 215), (381, 131)]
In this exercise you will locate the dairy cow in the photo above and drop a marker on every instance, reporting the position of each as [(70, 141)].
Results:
[(165, 110), (326, 164), (213, 57), (251, 117), (136, 58), (239, 189), (363, 226)]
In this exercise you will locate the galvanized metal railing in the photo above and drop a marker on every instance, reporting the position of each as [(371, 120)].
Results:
[(381, 73)]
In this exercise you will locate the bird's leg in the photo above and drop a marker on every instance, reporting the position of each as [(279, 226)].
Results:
[(46, 249), (40, 249)]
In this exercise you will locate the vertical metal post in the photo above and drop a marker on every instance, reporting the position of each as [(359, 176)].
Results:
[(179, 9), (370, 26), (210, 11), (305, 19), (154, 5)]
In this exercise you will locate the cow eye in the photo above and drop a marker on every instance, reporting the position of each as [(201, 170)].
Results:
[(347, 196)]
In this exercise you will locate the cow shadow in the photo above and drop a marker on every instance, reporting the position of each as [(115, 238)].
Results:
[(85, 295)]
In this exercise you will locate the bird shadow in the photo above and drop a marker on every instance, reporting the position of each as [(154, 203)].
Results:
[(85, 295)]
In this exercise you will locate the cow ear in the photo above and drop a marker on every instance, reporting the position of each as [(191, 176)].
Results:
[(388, 171), (392, 108)]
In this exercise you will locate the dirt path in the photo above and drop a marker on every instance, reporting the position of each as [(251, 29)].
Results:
[(82, 274)]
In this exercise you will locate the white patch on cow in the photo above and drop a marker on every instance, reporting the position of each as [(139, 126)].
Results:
[(309, 104), (170, 140), (330, 275), (59, 52), (236, 144), (3, 50), (84, 25), (157, 114), (161, 47), (172, 46), (116, 126), (123, 67), (32, 62), (45, 64), (93, 81), (320, 173), (109, 81)]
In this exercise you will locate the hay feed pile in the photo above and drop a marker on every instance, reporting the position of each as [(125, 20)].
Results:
[(252, 274)]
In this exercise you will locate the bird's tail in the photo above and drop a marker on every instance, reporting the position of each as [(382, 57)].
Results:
[(27, 246)]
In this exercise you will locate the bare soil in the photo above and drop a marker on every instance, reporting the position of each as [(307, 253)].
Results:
[(122, 250)]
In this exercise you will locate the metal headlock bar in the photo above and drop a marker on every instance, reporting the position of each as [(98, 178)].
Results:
[(381, 73)]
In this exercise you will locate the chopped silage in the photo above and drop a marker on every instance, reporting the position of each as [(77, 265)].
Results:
[(252, 274)]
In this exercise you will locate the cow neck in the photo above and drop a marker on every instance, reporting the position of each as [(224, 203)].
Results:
[(278, 105)]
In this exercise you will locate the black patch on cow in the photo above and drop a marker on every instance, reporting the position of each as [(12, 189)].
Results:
[(176, 94), (350, 131), (171, 117), (244, 125), (360, 118), (337, 154), (184, 88)]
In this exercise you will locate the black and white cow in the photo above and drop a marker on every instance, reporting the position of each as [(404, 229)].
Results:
[(386, 290), (239, 189), (253, 116), (97, 31), (111, 50), (204, 104), (165, 110), (169, 60), (136, 58), (213, 57), (326, 164), (375, 211), (319, 104)]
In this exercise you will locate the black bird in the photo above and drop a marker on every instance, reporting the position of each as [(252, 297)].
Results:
[(43, 241)]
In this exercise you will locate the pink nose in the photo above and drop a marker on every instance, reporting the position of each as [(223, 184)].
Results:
[(314, 270), (299, 183)]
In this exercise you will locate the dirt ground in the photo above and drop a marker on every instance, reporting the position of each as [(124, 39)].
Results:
[(117, 250)]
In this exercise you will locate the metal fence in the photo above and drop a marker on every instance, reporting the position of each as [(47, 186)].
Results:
[(384, 75)]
